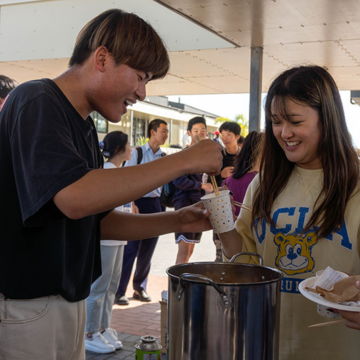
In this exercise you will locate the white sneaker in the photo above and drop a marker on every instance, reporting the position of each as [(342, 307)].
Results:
[(111, 336), (98, 344)]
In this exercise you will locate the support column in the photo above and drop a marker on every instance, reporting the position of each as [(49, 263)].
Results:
[(131, 127), (255, 88), (170, 131)]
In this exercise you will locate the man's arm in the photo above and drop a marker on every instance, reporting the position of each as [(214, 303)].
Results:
[(124, 226), (101, 190)]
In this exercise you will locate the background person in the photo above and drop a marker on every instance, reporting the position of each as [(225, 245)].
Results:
[(100, 338), (240, 141), (6, 85), (246, 166), (55, 207), (230, 133), (304, 204), (186, 140), (143, 250), (190, 189), (217, 137)]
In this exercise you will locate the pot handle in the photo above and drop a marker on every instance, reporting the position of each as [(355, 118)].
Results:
[(197, 277), (247, 253)]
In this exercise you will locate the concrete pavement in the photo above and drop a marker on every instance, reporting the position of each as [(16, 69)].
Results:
[(139, 318)]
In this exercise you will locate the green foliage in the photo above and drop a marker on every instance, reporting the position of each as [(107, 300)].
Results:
[(221, 120), (244, 124), (142, 141)]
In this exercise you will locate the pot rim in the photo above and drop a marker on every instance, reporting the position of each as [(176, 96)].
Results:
[(280, 273)]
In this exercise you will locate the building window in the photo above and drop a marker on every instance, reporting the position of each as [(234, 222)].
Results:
[(101, 124), (139, 134)]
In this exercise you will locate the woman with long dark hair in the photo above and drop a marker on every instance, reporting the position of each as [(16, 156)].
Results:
[(246, 166), (305, 206), (100, 338)]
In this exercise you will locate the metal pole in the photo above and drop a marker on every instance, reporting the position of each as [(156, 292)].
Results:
[(131, 127), (255, 88), (170, 132)]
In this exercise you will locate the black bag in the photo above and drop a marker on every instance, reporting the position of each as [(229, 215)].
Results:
[(167, 191), (167, 194)]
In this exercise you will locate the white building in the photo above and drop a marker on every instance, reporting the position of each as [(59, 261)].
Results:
[(136, 120)]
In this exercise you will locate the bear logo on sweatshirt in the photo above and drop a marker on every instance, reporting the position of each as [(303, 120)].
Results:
[(294, 252)]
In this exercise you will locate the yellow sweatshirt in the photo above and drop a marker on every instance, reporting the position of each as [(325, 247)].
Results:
[(300, 257)]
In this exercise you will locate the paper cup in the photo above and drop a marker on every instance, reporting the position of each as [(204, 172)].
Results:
[(221, 215), (323, 311)]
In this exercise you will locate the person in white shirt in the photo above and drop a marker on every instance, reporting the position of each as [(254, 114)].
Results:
[(100, 338)]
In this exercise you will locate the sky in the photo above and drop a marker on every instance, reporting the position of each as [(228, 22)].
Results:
[(230, 105)]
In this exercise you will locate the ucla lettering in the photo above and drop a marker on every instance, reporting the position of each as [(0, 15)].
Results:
[(290, 285), (261, 227), (345, 241), (274, 230), (303, 211)]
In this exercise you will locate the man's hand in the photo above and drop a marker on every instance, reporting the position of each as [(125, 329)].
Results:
[(194, 218), (203, 157)]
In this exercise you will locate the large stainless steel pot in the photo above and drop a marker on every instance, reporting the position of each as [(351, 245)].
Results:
[(223, 311)]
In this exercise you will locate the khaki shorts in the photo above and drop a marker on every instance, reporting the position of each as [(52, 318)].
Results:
[(45, 328)]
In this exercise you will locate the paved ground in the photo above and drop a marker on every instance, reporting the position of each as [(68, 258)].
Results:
[(166, 250), (138, 318)]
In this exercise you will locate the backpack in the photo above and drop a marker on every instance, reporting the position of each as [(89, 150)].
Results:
[(167, 191)]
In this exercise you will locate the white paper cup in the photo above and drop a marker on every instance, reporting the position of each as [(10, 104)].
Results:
[(323, 311), (221, 215)]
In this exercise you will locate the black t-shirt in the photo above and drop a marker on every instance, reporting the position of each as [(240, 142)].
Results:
[(45, 145), (228, 160)]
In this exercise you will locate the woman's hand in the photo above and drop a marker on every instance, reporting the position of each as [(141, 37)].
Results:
[(207, 187), (353, 318), (226, 172)]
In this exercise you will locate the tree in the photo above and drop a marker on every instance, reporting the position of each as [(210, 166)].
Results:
[(244, 124)]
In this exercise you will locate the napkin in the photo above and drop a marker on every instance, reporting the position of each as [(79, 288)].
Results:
[(344, 290)]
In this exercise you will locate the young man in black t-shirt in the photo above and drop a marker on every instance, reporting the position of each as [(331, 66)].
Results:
[(56, 201)]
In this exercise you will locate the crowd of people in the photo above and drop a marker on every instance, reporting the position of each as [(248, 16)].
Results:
[(69, 214)]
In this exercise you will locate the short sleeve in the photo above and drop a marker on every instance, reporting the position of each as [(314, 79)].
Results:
[(45, 156)]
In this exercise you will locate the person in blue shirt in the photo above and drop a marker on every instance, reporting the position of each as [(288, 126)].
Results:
[(190, 189), (143, 250)]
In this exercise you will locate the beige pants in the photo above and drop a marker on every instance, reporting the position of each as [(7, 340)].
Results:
[(46, 328)]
